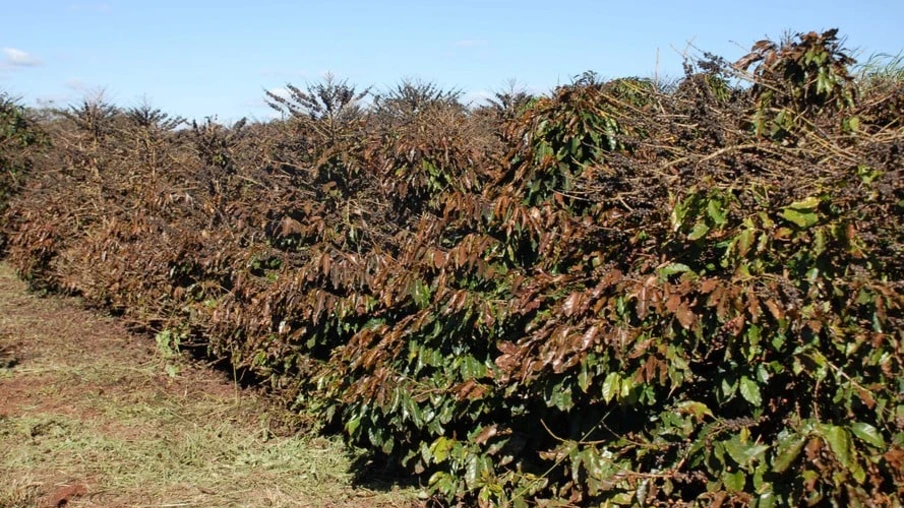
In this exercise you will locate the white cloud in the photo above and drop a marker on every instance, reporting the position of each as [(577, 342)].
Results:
[(280, 91), (478, 97), (83, 91), (76, 84), (53, 100), (471, 43), (261, 102), (18, 58)]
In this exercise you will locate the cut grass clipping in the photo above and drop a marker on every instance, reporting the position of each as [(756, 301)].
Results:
[(89, 418)]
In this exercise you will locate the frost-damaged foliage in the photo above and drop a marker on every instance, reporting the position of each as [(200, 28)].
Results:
[(19, 138), (616, 294), (798, 80)]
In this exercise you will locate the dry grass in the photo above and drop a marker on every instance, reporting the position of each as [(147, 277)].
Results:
[(89, 417)]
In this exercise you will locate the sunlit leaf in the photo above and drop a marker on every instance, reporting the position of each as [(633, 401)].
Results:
[(751, 391), (611, 386), (868, 434)]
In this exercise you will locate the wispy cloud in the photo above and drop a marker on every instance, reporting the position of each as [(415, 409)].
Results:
[(280, 91), (471, 43), (84, 91), (478, 97), (261, 102), (76, 84), (53, 100), (18, 58)]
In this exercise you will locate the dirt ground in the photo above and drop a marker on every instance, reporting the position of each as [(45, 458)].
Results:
[(91, 416)]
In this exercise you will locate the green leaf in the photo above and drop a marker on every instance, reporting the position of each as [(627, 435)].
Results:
[(714, 209), (805, 204), (729, 388), (678, 214), (440, 449), (584, 378), (561, 398), (766, 500), (736, 450), (858, 473), (353, 425), (610, 386), (745, 241), (751, 391), (699, 231), (622, 499), (840, 442), (787, 451), (801, 219), (420, 293), (673, 268), (471, 472), (744, 452), (734, 481), (627, 384), (868, 434), (698, 409)]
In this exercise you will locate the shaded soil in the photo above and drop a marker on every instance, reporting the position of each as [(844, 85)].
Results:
[(91, 415)]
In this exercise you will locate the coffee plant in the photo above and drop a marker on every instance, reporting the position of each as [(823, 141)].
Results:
[(622, 293)]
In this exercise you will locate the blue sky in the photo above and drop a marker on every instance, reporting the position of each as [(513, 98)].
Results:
[(199, 58)]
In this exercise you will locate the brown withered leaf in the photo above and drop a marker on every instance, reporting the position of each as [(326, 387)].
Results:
[(571, 303), (708, 286), (814, 446), (753, 306), (587, 339), (439, 258), (866, 398), (325, 263), (776, 311), (469, 390), (880, 309), (673, 303), (486, 434), (289, 226), (814, 325), (685, 316), (650, 368), (641, 292), (640, 348), (487, 315), (508, 348), (895, 457), (598, 306)]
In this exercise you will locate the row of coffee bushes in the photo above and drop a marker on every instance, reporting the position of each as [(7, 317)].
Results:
[(624, 292)]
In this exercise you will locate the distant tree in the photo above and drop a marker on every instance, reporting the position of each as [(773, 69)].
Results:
[(410, 97), (329, 100), (508, 102), (147, 116), (94, 116)]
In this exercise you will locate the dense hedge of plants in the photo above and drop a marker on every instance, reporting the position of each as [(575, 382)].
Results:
[(19, 139), (621, 293)]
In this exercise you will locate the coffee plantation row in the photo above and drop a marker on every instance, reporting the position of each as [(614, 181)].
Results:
[(624, 293)]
